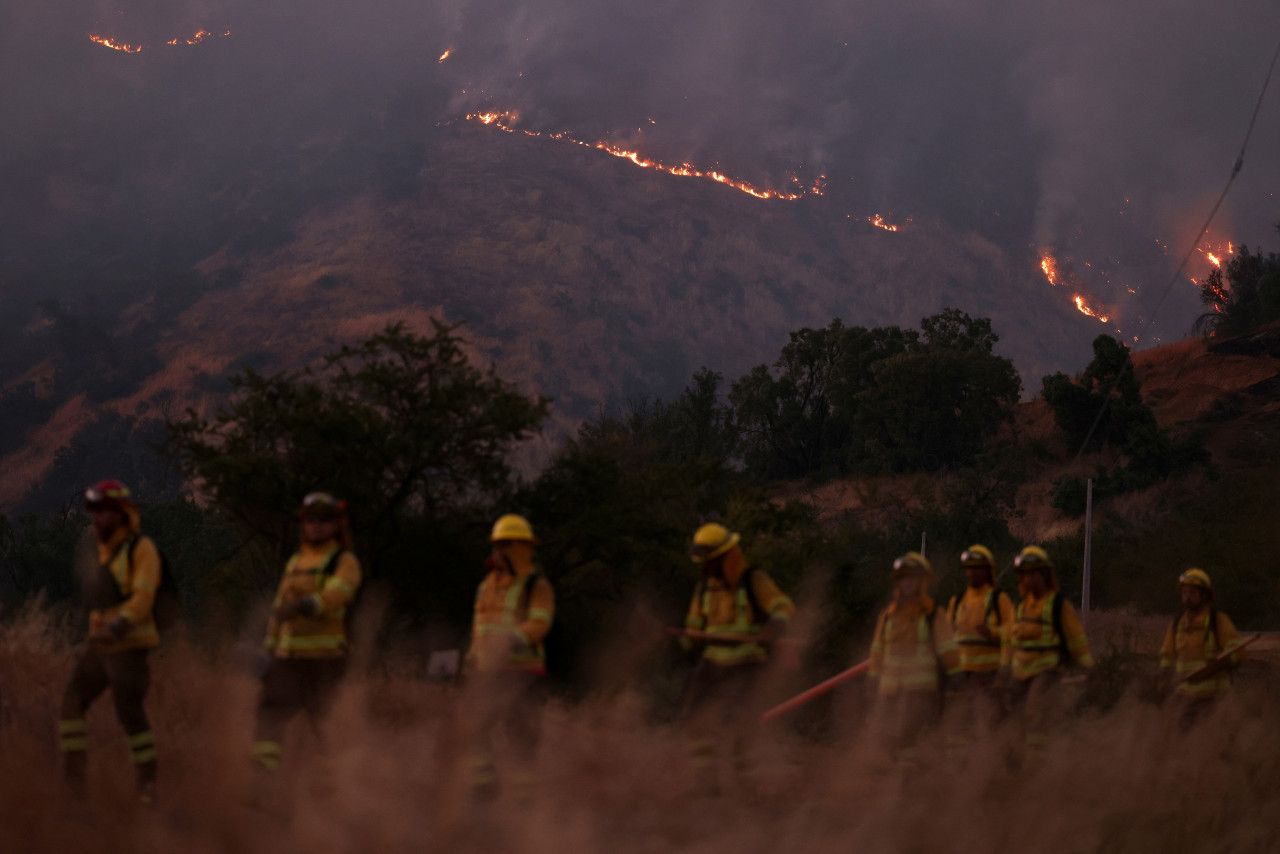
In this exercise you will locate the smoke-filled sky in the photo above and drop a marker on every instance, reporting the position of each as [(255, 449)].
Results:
[(1098, 131)]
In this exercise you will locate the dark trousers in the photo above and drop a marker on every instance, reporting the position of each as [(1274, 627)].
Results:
[(293, 686), (509, 702), (128, 675), (720, 710)]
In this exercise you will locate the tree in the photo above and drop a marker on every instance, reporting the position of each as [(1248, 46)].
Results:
[(938, 401), (1105, 408), (1246, 297), (402, 426), (797, 419), (693, 426)]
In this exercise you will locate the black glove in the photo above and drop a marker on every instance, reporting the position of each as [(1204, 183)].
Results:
[(119, 626), (309, 606)]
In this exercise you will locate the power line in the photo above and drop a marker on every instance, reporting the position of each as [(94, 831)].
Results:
[(1235, 170)]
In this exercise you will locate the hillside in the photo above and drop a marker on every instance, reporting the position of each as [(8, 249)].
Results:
[(1226, 390), (577, 274)]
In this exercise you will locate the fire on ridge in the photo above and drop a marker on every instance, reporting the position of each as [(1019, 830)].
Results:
[(504, 121)]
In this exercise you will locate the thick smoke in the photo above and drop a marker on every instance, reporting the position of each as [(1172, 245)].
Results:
[(1099, 131)]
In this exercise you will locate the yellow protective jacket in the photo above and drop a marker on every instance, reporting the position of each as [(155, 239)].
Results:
[(130, 576), (913, 642), (1034, 646), (982, 606), (325, 634), (723, 606), (511, 622), (1189, 645)]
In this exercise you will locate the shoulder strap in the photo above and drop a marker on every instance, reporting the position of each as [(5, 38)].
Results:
[(329, 566), (745, 584), (1064, 653), (1211, 629), (993, 606), (531, 581), (953, 606)]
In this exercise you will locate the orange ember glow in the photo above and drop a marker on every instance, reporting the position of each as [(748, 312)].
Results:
[(504, 121), (196, 38), (1213, 259), (878, 222), (1084, 309), (114, 45), (1050, 268), (445, 55)]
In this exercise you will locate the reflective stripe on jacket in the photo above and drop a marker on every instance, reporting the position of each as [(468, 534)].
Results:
[(507, 633), (721, 608), (133, 564), (325, 634), (1189, 645), (910, 646), (1032, 646), (987, 606)]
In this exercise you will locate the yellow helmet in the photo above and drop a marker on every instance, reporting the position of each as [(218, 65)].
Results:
[(1196, 577), (512, 527), (978, 556), (1032, 557), (911, 563), (712, 540)]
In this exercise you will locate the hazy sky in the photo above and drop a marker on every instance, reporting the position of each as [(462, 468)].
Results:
[(1095, 129)]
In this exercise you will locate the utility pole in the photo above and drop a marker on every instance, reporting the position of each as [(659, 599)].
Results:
[(1088, 548), (924, 536)]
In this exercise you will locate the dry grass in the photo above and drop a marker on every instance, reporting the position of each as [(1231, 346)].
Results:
[(611, 781)]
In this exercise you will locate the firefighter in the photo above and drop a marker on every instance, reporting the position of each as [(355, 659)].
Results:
[(746, 608), (912, 651), (306, 643), (506, 665), (1192, 643), (120, 592), (1046, 637), (980, 616)]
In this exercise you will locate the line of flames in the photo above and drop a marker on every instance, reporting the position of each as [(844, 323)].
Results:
[(1049, 266), (504, 120), (196, 38)]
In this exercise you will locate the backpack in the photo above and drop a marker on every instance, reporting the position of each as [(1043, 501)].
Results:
[(552, 642), (167, 604)]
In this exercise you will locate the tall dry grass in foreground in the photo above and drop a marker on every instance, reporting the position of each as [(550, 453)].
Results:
[(1123, 780)]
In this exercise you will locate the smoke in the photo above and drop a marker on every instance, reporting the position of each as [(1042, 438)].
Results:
[(1025, 124)]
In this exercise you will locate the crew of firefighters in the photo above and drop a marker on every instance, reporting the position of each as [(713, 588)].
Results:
[(983, 657)]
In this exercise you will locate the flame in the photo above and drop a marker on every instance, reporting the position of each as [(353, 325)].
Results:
[(113, 44), (445, 55), (1084, 309), (197, 37), (1050, 267), (504, 121), (878, 222), (1213, 259)]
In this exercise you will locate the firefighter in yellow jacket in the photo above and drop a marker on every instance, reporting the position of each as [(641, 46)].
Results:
[(980, 616), (120, 593), (506, 664), (1192, 643), (735, 613), (306, 635), (1046, 637), (912, 651)]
